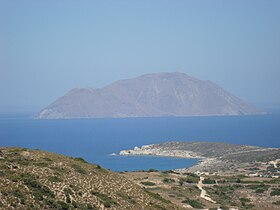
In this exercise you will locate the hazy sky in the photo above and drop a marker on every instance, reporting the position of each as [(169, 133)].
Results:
[(49, 47)]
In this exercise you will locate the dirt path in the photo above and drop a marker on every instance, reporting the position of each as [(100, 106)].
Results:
[(203, 193), (274, 163)]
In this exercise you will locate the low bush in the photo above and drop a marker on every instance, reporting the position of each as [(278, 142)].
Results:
[(54, 179), (157, 196), (193, 203), (126, 197), (106, 200), (275, 192), (80, 159), (79, 169), (208, 181), (38, 190), (168, 180), (17, 193), (244, 200), (152, 170), (148, 183)]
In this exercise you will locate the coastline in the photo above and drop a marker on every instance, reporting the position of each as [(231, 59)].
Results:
[(148, 151), (212, 157), (163, 156), (202, 162), (153, 149)]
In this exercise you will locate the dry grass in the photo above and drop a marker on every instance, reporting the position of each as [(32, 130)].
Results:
[(43, 180), (229, 191)]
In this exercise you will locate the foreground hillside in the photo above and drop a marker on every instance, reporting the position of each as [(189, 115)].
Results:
[(150, 95), (32, 179)]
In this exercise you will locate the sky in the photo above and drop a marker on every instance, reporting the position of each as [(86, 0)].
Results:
[(50, 47)]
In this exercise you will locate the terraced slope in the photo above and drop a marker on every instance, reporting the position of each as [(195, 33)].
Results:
[(31, 179)]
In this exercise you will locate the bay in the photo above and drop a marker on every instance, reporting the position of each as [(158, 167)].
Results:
[(95, 139)]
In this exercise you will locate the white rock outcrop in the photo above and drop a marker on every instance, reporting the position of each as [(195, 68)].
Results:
[(151, 150)]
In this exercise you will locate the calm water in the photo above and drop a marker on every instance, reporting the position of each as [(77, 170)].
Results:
[(95, 139)]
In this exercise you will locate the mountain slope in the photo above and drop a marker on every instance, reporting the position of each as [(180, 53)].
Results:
[(32, 179), (150, 95)]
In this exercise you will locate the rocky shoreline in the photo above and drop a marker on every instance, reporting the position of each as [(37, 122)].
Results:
[(213, 157), (156, 151)]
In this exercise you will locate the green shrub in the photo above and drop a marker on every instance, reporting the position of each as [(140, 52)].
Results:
[(68, 199), (47, 159), (51, 203), (244, 200), (75, 204), (41, 164), (193, 203), (167, 180), (91, 207), (159, 207), (63, 205), (98, 167), (80, 159), (38, 190), (17, 193), (275, 192), (157, 196), (189, 179), (152, 170), (253, 187), (79, 169), (259, 191), (148, 183), (59, 170), (68, 191), (54, 179), (126, 197), (106, 200), (208, 181), (249, 206)]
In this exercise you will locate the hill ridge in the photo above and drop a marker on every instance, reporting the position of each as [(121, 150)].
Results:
[(33, 179)]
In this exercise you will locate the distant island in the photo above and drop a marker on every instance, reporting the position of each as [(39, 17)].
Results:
[(150, 95)]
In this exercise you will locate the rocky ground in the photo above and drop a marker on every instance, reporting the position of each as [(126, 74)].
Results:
[(41, 180), (249, 179), (208, 191), (227, 176)]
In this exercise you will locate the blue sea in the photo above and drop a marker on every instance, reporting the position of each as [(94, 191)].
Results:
[(95, 139)]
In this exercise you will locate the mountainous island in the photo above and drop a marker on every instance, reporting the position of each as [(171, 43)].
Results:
[(150, 95)]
